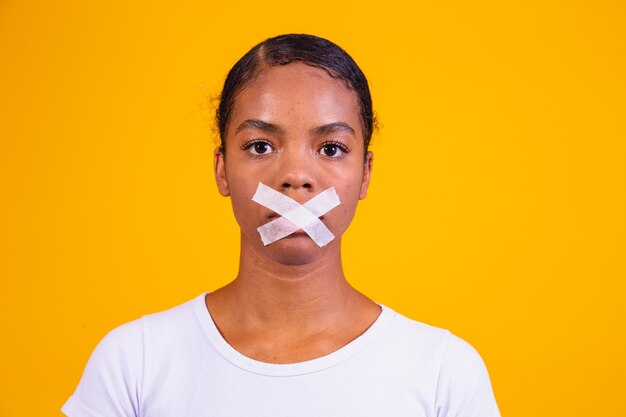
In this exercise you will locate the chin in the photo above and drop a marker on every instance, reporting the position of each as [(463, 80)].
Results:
[(294, 251)]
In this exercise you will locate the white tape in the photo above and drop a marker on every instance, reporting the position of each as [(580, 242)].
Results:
[(295, 215)]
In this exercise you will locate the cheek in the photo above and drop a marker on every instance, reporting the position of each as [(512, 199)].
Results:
[(241, 204), (344, 213), (241, 194)]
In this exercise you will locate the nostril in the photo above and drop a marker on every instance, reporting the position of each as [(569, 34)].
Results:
[(286, 185), (307, 185)]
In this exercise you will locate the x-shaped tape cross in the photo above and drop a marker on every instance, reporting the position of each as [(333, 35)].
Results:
[(295, 215)]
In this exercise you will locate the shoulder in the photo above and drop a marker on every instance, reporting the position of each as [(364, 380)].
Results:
[(464, 387), (457, 373), (462, 356), (452, 350), (176, 319), (416, 338), (112, 381), (129, 339)]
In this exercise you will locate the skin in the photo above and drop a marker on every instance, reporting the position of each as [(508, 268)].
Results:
[(290, 301)]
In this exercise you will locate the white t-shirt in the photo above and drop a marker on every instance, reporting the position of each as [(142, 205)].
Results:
[(175, 363)]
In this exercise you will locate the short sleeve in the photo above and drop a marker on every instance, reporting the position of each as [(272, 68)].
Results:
[(110, 384), (464, 388)]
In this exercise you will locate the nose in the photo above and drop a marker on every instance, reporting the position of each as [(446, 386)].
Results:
[(296, 170)]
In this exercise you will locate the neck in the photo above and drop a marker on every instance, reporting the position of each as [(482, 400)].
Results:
[(308, 296)]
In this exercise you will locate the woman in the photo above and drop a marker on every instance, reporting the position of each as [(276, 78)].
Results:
[(289, 336)]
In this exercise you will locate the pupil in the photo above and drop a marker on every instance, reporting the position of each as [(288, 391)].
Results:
[(260, 147), (330, 150)]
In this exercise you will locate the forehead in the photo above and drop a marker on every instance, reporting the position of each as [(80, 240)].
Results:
[(297, 95)]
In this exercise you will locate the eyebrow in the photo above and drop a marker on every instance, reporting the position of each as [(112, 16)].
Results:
[(261, 125), (274, 128), (332, 128)]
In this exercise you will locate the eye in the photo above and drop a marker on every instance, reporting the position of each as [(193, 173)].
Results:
[(258, 147), (334, 149)]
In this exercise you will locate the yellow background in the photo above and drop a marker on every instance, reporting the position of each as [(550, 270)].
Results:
[(496, 209)]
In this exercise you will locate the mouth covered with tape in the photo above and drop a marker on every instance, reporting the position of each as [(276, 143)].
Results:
[(296, 216)]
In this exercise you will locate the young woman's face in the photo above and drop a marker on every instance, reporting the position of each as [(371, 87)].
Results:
[(297, 130)]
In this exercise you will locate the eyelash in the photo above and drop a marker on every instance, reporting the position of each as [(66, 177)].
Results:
[(248, 144), (342, 146), (345, 149)]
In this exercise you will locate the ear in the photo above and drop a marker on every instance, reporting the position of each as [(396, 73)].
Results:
[(220, 172), (367, 173)]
